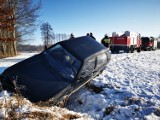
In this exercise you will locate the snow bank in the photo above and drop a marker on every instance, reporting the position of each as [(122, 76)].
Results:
[(130, 89)]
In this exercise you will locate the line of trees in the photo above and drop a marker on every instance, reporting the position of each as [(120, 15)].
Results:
[(17, 20), (60, 37), (30, 48), (49, 37)]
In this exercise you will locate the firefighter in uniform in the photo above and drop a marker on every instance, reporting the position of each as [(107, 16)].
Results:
[(106, 41)]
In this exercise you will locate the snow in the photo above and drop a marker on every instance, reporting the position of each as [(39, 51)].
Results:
[(131, 85), (6, 62), (129, 88)]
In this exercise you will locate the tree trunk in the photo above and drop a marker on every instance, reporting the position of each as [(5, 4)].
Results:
[(7, 30), (8, 49)]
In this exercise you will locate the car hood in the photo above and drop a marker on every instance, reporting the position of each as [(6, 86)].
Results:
[(36, 78)]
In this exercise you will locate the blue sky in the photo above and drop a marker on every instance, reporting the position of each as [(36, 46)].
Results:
[(100, 17)]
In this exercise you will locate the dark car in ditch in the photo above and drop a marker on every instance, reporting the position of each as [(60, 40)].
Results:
[(58, 71)]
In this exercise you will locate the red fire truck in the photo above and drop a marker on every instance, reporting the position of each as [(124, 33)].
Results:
[(127, 41)]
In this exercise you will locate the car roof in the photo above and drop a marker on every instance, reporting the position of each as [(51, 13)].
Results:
[(82, 47)]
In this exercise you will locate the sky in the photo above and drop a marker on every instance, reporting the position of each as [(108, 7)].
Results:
[(100, 17)]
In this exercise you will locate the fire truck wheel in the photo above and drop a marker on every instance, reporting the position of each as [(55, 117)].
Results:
[(139, 49), (128, 50), (112, 51), (117, 51), (132, 49), (150, 49)]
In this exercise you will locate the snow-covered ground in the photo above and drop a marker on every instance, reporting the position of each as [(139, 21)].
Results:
[(129, 88)]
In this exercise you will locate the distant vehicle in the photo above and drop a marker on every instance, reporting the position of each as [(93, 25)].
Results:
[(149, 43), (58, 71), (128, 42)]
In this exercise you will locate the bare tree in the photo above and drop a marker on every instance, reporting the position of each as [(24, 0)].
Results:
[(47, 34), (61, 37), (17, 18), (26, 17)]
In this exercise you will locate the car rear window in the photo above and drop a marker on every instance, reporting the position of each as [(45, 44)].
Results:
[(88, 67), (101, 59)]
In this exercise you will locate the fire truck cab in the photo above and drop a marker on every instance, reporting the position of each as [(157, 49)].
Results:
[(127, 41), (149, 43)]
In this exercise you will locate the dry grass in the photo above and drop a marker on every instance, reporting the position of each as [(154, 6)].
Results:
[(13, 109), (16, 107)]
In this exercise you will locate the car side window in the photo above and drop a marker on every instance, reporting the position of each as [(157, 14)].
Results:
[(101, 59), (88, 67)]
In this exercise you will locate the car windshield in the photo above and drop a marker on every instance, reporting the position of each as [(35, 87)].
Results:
[(65, 64)]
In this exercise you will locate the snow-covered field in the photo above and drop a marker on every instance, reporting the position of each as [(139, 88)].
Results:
[(129, 88)]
